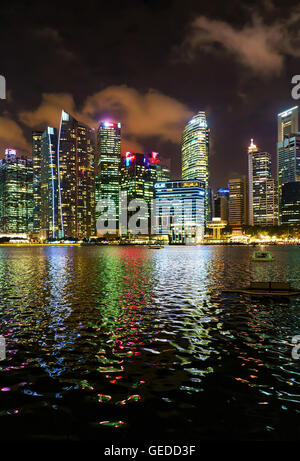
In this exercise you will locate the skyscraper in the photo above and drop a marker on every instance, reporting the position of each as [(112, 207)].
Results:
[(221, 204), (179, 211), (288, 159), (237, 203), (49, 203), (108, 163), (288, 146), (290, 203), (161, 167), (16, 193), (138, 175), (288, 152), (287, 123), (36, 162), (263, 208), (195, 153), (76, 178)]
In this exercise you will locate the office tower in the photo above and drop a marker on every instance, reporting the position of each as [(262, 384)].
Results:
[(76, 178), (195, 153), (271, 218), (36, 162), (263, 208), (287, 123), (16, 194), (288, 159), (290, 203), (49, 202), (237, 203), (221, 204), (162, 166), (288, 146), (180, 211), (138, 176), (288, 151), (108, 164)]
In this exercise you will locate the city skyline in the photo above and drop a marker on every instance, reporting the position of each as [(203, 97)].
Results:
[(75, 169), (177, 173)]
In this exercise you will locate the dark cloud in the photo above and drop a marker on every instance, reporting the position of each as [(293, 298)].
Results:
[(49, 34), (12, 135), (144, 115), (259, 46)]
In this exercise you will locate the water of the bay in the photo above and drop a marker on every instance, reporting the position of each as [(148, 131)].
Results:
[(130, 343)]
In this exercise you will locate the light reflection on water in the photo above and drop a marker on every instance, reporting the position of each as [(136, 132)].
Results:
[(138, 343)]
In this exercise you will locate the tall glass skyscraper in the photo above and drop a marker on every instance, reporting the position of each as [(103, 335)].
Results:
[(16, 194), (287, 123), (237, 203), (288, 146), (49, 211), (76, 178), (36, 162), (64, 180), (138, 175), (263, 201), (195, 153), (108, 157)]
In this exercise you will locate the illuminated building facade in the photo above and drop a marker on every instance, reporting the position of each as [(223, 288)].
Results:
[(195, 153), (288, 146), (221, 204), (16, 194), (108, 163), (288, 155), (287, 123), (263, 197), (76, 178), (138, 176), (162, 167), (237, 203), (290, 203), (36, 163), (49, 203), (180, 211)]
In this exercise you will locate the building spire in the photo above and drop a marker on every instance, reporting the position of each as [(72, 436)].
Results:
[(252, 147)]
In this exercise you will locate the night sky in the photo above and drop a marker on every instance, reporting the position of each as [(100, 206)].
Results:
[(151, 65)]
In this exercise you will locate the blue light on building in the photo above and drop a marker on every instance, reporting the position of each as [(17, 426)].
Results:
[(180, 211)]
